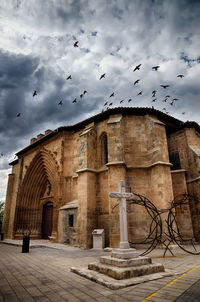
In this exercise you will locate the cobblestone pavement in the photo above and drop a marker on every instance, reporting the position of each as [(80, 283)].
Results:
[(44, 274)]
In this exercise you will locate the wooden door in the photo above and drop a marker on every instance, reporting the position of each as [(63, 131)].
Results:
[(47, 220)]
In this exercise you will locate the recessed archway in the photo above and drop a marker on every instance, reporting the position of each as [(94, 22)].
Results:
[(41, 181)]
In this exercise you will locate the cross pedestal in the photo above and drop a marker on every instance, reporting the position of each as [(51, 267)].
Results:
[(124, 251), (124, 267)]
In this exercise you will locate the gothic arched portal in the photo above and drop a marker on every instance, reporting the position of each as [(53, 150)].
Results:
[(40, 186)]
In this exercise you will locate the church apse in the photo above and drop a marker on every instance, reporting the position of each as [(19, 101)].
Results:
[(39, 188)]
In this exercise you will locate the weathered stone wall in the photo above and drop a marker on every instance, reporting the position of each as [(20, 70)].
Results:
[(138, 153), (187, 143)]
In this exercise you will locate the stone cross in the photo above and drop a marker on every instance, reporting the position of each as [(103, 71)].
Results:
[(122, 195)]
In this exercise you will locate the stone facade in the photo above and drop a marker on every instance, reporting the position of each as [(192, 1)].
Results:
[(85, 162)]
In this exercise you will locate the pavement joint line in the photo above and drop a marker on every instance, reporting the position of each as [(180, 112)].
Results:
[(170, 283)]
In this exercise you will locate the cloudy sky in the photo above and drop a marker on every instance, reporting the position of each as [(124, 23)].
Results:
[(37, 53)]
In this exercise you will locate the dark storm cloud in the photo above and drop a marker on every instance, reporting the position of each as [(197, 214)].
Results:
[(20, 76)]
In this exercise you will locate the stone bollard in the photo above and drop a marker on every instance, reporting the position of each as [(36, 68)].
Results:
[(25, 244)]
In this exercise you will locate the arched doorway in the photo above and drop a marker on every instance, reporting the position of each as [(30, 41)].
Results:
[(47, 220)]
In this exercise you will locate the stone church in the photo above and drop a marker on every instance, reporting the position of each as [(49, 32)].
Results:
[(59, 186)]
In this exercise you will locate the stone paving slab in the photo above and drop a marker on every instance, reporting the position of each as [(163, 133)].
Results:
[(44, 274)]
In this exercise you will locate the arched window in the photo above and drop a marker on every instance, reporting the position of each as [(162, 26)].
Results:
[(104, 149)]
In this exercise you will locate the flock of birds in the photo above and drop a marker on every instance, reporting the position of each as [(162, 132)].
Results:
[(108, 104)]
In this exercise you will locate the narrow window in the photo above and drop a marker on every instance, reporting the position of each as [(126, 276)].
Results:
[(105, 147), (71, 220), (175, 160)]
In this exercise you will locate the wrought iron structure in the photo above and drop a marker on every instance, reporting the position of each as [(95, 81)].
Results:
[(168, 234)]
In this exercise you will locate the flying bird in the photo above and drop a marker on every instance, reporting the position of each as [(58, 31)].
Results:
[(165, 100), (69, 77), (164, 109), (183, 112), (137, 67), (1, 154), (180, 76), (102, 76), (81, 95), (154, 100), (18, 114), (172, 103), (164, 86), (76, 44), (175, 99), (155, 68), (60, 103), (106, 103), (34, 93), (167, 96), (112, 94), (136, 82), (139, 93), (121, 101), (85, 91), (154, 91), (110, 104), (129, 100), (74, 101)]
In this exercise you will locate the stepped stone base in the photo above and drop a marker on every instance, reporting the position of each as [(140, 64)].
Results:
[(120, 273), (117, 284), (124, 262), (123, 266)]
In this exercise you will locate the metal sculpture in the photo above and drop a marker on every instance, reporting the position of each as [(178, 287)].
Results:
[(157, 234)]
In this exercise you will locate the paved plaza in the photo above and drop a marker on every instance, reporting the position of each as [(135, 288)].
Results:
[(44, 275)]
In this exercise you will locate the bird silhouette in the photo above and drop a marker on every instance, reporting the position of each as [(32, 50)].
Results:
[(154, 91), (106, 103), (60, 103), (175, 99), (167, 96), (183, 112), (112, 94), (165, 100), (164, 86), (1, 154), (136, 82), (180, 76), (102, 76), (34, 93), (81, 95), (139, 93), (172, 103), (155, 68), (74, 101), (85, 91), (164, 109), (129, 100), (18, 114), (137, 67), (110, 104), (121, 101), (154, 100), (69, 77), (76, 44)]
